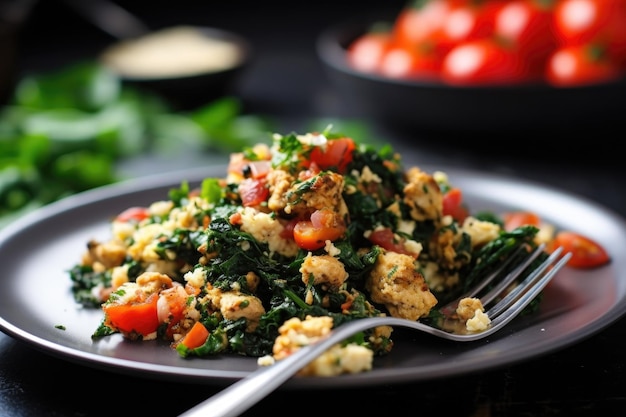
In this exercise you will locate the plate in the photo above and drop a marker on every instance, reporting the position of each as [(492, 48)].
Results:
[(36, 304)]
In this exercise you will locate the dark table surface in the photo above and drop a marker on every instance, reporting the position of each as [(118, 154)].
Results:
[(587, 378)]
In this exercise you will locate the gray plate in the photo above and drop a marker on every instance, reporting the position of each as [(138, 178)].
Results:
[(37, 250)]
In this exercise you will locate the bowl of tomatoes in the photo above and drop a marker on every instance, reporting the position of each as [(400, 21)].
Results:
[(484, 66)]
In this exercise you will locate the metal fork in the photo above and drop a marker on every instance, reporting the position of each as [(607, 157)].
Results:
[(243, 394)]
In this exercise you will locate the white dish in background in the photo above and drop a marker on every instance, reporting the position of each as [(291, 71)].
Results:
[(36, 304), (188, 65), (179, 51)]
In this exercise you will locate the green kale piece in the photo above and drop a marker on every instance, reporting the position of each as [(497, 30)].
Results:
[(84, 279)]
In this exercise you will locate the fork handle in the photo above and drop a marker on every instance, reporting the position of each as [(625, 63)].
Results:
[(243, 394)]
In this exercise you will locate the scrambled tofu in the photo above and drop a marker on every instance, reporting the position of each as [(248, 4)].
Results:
[(313, 225), (472, 311), (396, 283), (295, 334)]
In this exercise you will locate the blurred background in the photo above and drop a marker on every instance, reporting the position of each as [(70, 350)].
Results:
[(282, 37), (110, 133), (66, 127)]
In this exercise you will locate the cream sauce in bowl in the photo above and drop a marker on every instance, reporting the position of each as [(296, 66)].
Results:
[(174, 52)]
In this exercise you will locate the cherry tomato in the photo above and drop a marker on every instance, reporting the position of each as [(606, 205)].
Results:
[(336, 154), (515, 219), (467, 21), (312, 234), (418, 23), (580, 65), (253, 191), (481, 62), (366, 52), (579, 22), (529, 26), (420, 61), (453, 205), (140, 317), (135, 214), (586, 253)]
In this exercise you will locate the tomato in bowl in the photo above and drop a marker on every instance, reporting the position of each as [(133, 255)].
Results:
[(436, 88)]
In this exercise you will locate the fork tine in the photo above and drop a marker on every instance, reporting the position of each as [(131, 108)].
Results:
[(511, 276), (450, 308), (514, 302), (487, 280)]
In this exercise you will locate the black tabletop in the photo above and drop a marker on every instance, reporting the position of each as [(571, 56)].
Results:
[(587, 378)]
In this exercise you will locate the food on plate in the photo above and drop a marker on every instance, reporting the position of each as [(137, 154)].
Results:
[(296, 238), (496, 42)]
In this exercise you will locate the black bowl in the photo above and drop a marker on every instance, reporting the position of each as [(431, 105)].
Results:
[(185, 88), (411, 104)]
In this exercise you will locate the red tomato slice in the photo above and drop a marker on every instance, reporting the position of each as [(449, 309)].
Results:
[(386, 240), (253, 192), (335, 154), (586, 253), (139, 317)]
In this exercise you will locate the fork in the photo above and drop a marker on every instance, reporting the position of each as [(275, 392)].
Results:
[(243, 394)]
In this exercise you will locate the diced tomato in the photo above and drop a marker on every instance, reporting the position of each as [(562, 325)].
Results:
[(135, 214), (515, 219), (171, 307), (140, 317), (287, 232), (385, 238), (312, 234), (336, 154), (453, 205), (253, 192), (196, 336), (586, 253)]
